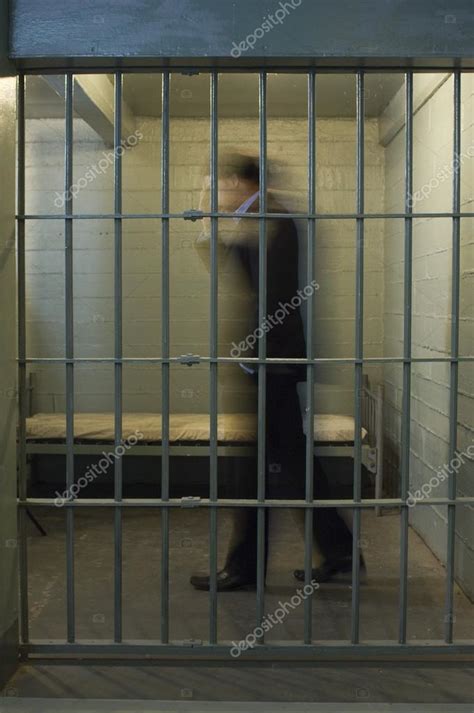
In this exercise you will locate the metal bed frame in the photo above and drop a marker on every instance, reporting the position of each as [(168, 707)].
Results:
[(372, 447)]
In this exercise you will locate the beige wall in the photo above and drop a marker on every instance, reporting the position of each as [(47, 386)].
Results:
[(189, 155), (432, 283)]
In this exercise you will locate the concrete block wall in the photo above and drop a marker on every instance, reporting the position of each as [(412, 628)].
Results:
[(432, 283), (93, 259)]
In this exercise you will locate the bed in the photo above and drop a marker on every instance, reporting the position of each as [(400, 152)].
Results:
[(189, 434)]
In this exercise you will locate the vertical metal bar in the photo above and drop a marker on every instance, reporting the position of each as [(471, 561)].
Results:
[(165, 352), (118, 376), (359, 355), (376, 418), (213, 367), (262, 349), (308, 530), (22, 394), (69, 316), (454, 374), (407, 339)]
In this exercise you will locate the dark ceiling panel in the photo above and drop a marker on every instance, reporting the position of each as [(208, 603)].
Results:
[(221, 29)]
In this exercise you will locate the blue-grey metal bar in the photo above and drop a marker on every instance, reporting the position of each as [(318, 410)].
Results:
[(281, 652), (69, 321), (165, 350), (235, 68), (199, 215), (252, 360), (118, 375), (242, 503), (407, 341), (309, 415), (22, 393), (262, 505), (262, 349), (454, 374), (359, 354), (213, 339)]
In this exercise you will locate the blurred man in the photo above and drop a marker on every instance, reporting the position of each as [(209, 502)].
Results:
[(284, 437)]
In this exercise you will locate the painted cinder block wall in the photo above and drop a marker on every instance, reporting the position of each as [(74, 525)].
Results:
[(93, 260), (432, 256)]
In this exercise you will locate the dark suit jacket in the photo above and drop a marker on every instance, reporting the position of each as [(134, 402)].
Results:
[(285, 334), (283, 325)]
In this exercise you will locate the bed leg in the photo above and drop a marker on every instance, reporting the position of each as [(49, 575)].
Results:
[(36, 523)]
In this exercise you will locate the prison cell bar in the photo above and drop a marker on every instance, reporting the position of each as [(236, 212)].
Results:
[(262, 515), (22, 395), (261, 504), (173, 503), (251, 360), (379, 461), (407, 342), (244, 216), (454, 371), (253, 69), (118, 366), (309, 415), (69, 329), (282, 651), (359, 356), (165, 353), (213, 341)]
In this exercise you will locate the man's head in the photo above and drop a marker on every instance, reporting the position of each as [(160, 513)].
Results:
[(238, 180)]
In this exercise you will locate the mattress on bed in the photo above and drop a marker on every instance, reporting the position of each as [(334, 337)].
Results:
[(232, 427)]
